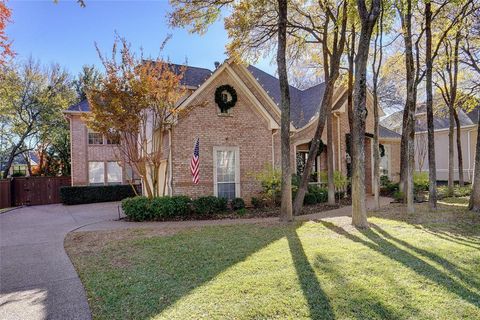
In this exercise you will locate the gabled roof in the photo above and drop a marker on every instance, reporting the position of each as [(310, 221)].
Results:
[(82, 106), (193, 77), (474, 115), (387, 133), (303, 103)]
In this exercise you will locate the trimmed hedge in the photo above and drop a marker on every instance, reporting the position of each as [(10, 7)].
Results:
[(309, 198), (172, 208), (209, 205), (93, 194), (238, 204)]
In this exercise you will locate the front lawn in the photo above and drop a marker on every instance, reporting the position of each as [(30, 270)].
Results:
[(422, 266)]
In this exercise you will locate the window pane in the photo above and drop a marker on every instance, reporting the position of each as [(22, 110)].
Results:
[(225, 166), (114, 172), (95, 138), (226, 190), (113, 138), (96, 174)]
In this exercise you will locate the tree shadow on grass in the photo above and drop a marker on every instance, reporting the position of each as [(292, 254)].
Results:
[(455, 270), (318, 301), (451, 238), (150, 275), (364, 302), (390, 250)]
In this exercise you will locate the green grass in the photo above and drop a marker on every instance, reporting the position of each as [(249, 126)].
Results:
[(422, 266)]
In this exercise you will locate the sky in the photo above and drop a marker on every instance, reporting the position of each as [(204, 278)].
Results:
[(65, 33)]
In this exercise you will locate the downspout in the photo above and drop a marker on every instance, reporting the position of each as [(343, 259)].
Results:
[(469, 155), (274, 132), (170, 170), (338, 142)]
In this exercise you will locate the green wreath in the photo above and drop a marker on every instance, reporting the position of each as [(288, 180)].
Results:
[(219, 98), (382, 150)]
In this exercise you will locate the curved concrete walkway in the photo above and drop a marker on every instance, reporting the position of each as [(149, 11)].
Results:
[(37, 279)]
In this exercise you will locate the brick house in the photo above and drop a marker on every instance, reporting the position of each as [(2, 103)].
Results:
[(233, 144)]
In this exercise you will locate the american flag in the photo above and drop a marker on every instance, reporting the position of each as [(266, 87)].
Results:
[(195, 163)]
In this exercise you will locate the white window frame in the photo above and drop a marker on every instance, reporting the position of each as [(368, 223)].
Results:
[(237, 169), (388, 152), (94, 144), (107, 172), (89, 174)]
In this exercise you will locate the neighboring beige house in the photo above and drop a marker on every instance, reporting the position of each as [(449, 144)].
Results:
[(468, 124), (234, 144)]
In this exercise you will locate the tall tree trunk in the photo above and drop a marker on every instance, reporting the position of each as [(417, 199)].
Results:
[(351, 63), (368, 20), (403, 151), (408, 129), (303, 187), (474, 203), (286, 213), (432, 166), (461, 181), (376, 64), (451, 128), (332, 66)]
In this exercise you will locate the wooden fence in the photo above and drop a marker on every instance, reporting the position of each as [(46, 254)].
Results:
[(5, 194), (28, 191)]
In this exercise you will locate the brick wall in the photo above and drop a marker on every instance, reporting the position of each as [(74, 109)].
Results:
[(82, 152), (244, 128)]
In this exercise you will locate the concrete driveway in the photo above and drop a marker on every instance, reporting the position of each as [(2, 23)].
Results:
[(37, 279)]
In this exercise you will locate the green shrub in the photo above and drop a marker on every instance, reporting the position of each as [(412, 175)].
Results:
[(258, 203), (241, 212), (340, 181), (398, 196), (388, 188), (209, 205), (182, 205), (137, 208), (420, 181), (93, 194), (310, 198), (321, 195), (384, 181), (238, 204), (160, 208), (270, 180), (442, 191), (340, 194)]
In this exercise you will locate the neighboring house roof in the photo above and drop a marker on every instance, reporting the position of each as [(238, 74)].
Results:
[(19, 159), (441, 120), (393, 121), (387, 133), (474, 115)]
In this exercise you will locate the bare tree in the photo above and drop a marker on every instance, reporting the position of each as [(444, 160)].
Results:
[(368, 18), (286, 213), (376, 65)]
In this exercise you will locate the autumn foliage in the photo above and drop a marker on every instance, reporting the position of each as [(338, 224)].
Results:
[(136, 104), (5, 45)]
